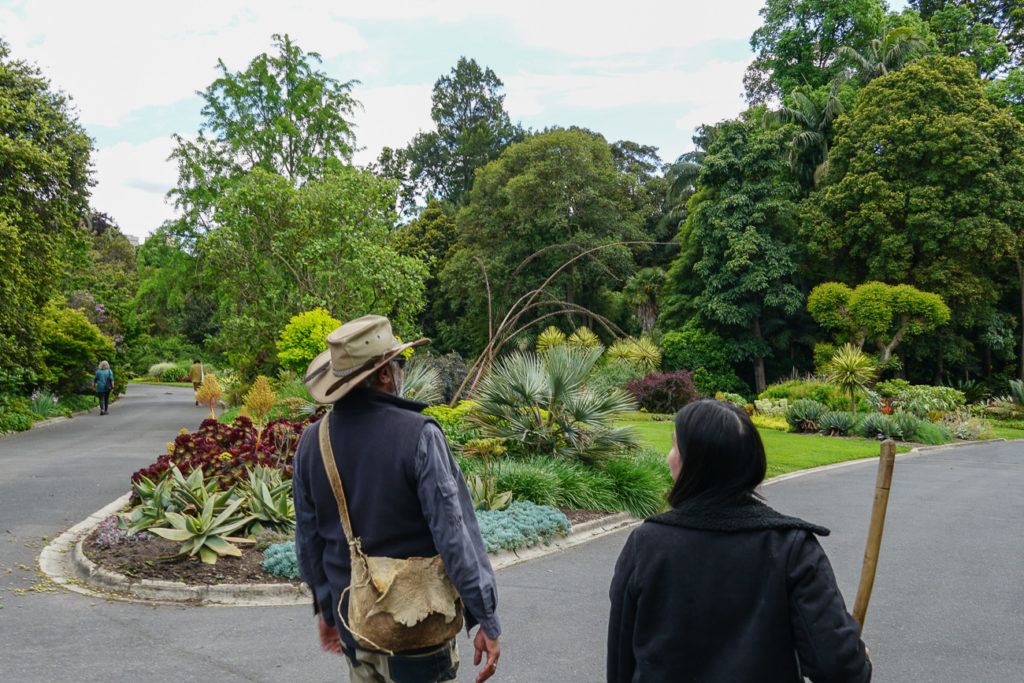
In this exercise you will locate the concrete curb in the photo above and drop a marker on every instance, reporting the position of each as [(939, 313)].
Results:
[(64, 562)]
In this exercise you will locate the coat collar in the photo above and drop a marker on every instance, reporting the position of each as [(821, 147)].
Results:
[(743, 514)]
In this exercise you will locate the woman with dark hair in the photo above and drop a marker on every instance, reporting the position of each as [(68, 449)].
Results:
[(722, 587)]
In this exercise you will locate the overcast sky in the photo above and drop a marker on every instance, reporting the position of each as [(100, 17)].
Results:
[(647, 71)]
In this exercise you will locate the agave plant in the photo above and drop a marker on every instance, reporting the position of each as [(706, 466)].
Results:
[(540, 405), (268, 501), (154, 503), (206, 533), (850, 369)]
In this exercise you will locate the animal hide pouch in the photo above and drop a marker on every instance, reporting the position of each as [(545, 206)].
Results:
[(393, 604)]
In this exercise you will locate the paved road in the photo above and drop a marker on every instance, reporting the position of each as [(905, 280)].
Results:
[(946, 606)]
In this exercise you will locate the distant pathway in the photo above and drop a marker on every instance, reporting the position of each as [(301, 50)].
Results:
[(946, 606)]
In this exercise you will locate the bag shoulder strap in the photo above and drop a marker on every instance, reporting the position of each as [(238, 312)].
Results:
[(327, 453)]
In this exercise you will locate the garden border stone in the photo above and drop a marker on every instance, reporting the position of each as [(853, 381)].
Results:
[(63, 561)]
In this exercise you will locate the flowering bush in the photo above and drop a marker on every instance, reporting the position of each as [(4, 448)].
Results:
[(664, 392), (228, 452)]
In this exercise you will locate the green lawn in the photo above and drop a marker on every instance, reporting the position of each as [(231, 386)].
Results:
[(1003, 432), (786, 452)]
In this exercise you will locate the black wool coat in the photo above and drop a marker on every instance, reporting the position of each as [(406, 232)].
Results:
[(721, 592)]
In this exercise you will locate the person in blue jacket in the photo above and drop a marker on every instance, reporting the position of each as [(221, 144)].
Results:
[(722, 587), (104, 382)]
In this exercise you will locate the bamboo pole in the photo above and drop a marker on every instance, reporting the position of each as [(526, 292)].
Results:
[(867, 576)]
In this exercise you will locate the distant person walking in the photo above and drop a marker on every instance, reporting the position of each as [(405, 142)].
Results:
[(103, 381), (196, 374), (722, 587)]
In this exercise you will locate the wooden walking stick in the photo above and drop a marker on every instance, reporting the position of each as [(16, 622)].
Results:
[(867, 574)]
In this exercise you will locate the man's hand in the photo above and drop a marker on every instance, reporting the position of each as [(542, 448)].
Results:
[(483, 644), (330, 641)]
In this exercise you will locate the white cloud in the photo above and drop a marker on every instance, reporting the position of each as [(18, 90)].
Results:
[(115, 57), (131, 183), (391, 116)]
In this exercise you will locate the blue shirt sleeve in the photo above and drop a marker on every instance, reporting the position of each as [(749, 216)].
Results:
[(309, 545), (448, 509)]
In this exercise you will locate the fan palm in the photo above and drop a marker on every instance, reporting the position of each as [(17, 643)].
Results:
[(422, 383), (540, 406), (850, 369)]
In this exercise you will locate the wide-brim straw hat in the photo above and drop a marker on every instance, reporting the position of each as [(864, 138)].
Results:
[(354, 352)]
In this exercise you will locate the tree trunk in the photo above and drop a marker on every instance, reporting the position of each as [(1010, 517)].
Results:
[(759, 379)]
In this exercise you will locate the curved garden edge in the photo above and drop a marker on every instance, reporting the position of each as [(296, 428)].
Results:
[(65, 564)]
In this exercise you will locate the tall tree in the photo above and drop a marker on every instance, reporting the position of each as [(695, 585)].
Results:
[(280, 115), (472, 129), (545, 200), (281, 250), (739, 262), (960, 31), (798, 43), (924, 185), (1005, 16), (44, 193)]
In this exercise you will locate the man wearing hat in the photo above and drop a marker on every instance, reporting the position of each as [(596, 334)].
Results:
[(405, 495)]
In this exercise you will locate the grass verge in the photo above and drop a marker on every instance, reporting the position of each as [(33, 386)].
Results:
[(144, 380), (786, 452)]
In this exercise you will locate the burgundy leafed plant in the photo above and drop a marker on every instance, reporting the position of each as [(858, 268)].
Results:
[(664, 392)]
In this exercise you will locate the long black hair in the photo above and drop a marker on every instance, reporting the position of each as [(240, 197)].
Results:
[(721, 453)]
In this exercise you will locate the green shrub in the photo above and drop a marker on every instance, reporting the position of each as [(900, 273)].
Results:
[(772, 407), (454, 421), (830, 396), (932, 434), (176, 373), (14, 416), (613, 374), (520, 525), (43, 404), (156, 370), (75, 402), (921, 399), (804, 414), (836, 423), (72, 347), (304, 337), (705, 353)]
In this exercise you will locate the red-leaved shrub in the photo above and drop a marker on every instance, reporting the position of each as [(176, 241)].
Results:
[(228, 452), (666, 392)]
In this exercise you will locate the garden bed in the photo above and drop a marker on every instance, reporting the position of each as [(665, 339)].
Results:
[(140, 559)]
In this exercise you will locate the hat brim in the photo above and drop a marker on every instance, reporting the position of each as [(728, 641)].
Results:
[(324, 387)]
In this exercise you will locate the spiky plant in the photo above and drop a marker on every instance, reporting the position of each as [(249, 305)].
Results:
[(584, 338), (541, 406), (850, 369), (549, 339), (641, 353), (420, 382)]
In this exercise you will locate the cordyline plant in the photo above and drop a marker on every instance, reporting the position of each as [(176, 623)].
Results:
[(851, 369), (210, 393)]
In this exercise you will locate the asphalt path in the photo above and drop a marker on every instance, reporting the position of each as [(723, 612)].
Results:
[(947, 603)]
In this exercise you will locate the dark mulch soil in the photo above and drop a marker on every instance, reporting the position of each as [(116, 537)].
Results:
[(140, 559)]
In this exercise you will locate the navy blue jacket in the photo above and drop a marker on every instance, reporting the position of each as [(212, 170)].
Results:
[(406, 498)]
